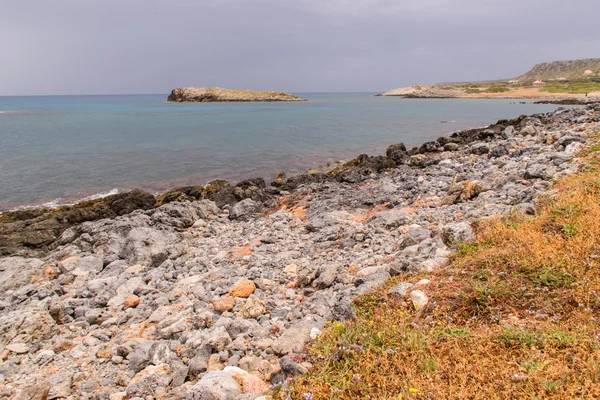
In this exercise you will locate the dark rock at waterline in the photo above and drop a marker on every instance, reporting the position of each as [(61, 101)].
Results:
[(293, 182), (371, 164), (219, 191), (395, 148), (33, 231), (397, 153), (254, 189), (429, 147), (185, 193)]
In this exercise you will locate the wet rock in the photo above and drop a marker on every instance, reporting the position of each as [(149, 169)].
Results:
[(429, 147), (253, 189), (371, 165), (185, 193), (33, 233), (397, 153)]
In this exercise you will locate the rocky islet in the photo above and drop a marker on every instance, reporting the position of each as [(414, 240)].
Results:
[(213, 293), (217, 94)]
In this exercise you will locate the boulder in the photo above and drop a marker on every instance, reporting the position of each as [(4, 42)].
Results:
[(243, 289), (244, 208), (216, 385), (419, 299), (149, 381), (31, 233), (464, 191), (35, 392), (253, 308), (455, 233)]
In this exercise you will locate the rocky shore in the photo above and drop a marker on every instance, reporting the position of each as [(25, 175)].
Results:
[(576, 101), (216, 94), (213, 292)]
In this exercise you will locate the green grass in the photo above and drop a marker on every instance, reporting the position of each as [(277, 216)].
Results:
[(575, 87)]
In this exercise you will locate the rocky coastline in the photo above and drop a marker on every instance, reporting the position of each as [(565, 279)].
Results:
[(212, 292), (216, 94)]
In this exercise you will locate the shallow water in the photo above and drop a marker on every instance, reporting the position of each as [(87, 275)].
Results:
[(62, 148)]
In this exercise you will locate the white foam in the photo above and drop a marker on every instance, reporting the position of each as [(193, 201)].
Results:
[(101, 195), (58, 201)]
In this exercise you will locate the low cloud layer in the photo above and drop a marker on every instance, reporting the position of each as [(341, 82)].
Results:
[(150, 46)]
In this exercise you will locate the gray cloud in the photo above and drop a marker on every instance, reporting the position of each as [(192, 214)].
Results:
[(150, 46)]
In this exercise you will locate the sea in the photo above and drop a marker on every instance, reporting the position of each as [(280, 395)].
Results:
[(61, 149)]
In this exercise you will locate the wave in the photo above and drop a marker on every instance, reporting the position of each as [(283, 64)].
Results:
[(100, 195), (58, 202)]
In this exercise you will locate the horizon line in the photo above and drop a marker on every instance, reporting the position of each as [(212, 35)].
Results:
[(164, 94)]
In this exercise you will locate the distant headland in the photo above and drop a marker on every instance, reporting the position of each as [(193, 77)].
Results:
[(575, 80), (217, 94)]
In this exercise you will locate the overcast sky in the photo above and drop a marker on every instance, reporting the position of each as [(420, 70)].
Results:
[(151, 46)]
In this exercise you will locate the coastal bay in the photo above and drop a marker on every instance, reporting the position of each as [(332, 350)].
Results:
[(59, 150)]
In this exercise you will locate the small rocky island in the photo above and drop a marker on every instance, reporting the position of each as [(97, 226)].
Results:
[(216, 94)]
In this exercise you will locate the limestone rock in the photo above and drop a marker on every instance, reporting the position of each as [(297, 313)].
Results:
[(419, 299), (216, 385), (243, 289), (253, 308), (35, 392), (225, 303), (464, 191), (131, 301)]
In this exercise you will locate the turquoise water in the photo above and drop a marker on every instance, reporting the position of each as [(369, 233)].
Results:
[(62, 148)]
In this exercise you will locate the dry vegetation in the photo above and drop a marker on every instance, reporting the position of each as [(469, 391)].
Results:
[(514, 317)]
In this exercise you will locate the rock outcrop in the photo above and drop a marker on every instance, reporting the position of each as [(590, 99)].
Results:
[(216, 94)]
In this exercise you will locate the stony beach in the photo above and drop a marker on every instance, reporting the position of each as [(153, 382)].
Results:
[(213, 292)]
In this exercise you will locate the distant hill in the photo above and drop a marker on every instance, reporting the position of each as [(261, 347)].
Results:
[(569, 80), (570, 70)]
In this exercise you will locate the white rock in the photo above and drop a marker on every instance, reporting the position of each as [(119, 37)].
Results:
[(419, 299), (217, 385), (19, 348), (314, 333)]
